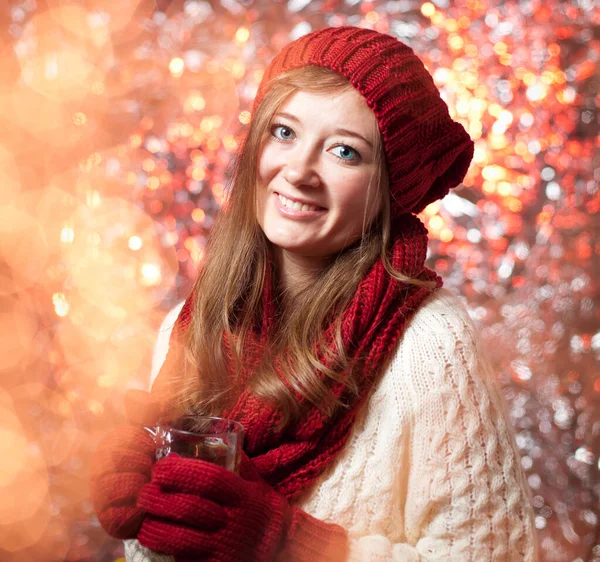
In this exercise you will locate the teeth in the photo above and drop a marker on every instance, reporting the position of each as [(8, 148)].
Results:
[(294, 205)]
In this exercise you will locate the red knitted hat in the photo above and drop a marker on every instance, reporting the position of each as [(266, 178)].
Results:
[(427, 153)]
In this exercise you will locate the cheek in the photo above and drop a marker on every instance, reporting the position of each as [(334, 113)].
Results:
[(354, 193), (266, 164)]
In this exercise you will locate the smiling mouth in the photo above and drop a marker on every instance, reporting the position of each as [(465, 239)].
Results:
[(294, 205)]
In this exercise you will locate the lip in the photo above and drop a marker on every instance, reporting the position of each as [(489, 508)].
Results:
[(297, 214)]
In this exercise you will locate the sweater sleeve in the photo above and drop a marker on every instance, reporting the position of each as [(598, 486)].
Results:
[(463, 494)]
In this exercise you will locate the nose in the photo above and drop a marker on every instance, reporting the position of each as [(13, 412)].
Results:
[(300, 170)]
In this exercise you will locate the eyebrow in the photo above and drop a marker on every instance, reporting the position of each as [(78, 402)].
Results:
[(339, 131)]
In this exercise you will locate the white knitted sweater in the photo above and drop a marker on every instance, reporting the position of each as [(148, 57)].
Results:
[(431, 470)]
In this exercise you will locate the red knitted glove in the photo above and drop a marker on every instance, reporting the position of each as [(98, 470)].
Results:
[(199, 511), (120, 466)]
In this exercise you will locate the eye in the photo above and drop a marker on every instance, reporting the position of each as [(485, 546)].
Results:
[(346, 153), (282, 132)]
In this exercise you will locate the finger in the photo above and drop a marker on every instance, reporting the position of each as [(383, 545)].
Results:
[(188, 509), (174, 539), (198, 477), (117, 490)]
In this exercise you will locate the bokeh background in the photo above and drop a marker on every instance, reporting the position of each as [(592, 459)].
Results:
[(118, 119)]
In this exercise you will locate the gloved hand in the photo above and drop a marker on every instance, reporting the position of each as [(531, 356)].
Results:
[(121, 465), (200, 511)]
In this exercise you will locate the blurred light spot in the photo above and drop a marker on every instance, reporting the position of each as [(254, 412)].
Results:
[(135, 243), (61, 306), (427, 9), (553, 191), (584, 455), (198, 215), (177, 66), (79, 119), (242, 35), (151, 275), (67, 235), (473, 235)]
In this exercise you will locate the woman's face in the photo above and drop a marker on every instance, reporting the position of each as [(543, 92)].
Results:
[(314, 171)]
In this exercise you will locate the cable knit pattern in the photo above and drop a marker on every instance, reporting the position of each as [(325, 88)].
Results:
[(430, 471)]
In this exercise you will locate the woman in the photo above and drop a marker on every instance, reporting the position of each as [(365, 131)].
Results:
[(373, 427)]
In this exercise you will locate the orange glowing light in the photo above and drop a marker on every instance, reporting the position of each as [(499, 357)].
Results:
[(176, 67), (153, 145), (206, 125), (497, 141), (218, 192), (151, 275), (242, 35), (58, 66), (493, 172), (79, 118), (135, 140), (451, 25), (9, 179), (504, 188), (446, 235), (455, 42), (515, 205), (24, 249), (436, 223), (500, 48), (230, 143), (464, 22), (437, 19), (198, 174), (244, 117), (238, 69), (536, 92), (153, 183), (198, 215), (195, 102), (61, 305), (471, 50), (135, 243), (488, 187), (197, 256), (427, 9), (148, 165), (67, 235), (372, 17)]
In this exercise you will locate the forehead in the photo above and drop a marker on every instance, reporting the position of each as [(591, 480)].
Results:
[(345, 109)]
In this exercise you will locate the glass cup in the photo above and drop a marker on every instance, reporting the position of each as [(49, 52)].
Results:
[(209, 438)]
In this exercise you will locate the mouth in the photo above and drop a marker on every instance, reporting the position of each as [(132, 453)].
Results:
[(293, 204), (297, 210)]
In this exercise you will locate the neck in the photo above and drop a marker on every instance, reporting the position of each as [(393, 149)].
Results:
[(296, 272)]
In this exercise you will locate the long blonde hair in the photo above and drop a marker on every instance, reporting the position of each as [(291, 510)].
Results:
[(228, 291)]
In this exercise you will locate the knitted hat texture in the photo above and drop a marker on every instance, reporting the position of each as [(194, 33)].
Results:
[(427, 153)]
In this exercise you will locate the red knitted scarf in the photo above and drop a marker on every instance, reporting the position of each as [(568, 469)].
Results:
[(292, 458)]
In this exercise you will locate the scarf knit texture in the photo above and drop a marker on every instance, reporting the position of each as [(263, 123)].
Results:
[(292, 458)]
